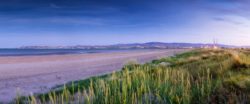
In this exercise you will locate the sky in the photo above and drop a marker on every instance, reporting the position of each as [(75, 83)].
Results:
[(104, 22)]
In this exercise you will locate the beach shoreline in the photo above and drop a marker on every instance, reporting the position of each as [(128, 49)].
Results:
[(38, 74)]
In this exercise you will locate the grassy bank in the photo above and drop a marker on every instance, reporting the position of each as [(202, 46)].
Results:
[(196, 77)]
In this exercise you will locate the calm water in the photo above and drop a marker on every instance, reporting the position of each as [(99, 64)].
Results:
[(24, 52)]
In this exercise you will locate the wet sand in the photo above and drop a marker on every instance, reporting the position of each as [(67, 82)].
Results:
[(37, 74)]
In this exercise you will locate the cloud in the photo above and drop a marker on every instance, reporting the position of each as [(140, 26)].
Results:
[(232, 21), (230, 7), (52, 5), (58, 20)]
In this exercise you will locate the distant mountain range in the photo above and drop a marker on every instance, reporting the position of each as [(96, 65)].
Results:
[(149, 45)]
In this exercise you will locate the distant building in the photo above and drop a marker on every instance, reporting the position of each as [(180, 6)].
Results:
[(212, 46), (215, 44)]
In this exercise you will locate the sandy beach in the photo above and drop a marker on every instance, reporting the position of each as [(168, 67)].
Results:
[(37, 74)]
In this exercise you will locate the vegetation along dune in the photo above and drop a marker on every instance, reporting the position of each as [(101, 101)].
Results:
[(196, 77)]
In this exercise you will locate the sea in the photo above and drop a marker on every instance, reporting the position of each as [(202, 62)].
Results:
[(28, 52)]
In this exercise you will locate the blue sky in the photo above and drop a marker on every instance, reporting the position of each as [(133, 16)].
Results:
[(101, 22)]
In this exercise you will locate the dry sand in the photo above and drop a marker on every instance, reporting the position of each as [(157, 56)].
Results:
[(37, 74)]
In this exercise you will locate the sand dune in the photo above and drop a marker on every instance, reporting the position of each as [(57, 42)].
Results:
[(37, 74)]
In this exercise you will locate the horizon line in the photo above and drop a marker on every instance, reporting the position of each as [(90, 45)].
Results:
[(205, 43)]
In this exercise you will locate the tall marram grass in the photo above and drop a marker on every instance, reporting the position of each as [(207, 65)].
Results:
[(142, 85), (197, 77)]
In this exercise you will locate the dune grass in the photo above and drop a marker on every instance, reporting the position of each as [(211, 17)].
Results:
[(196, 77)]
